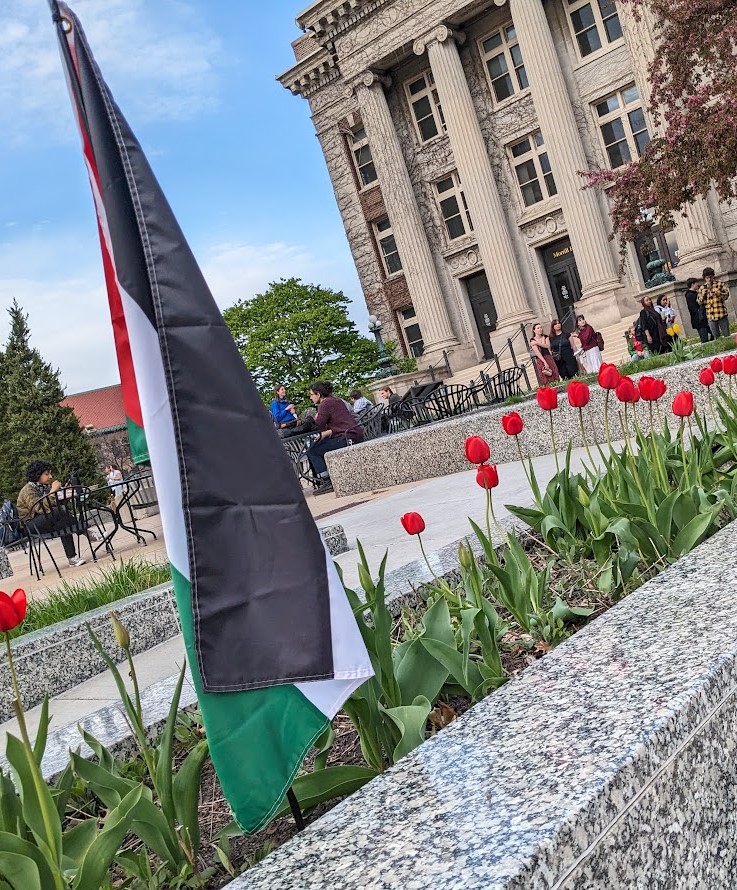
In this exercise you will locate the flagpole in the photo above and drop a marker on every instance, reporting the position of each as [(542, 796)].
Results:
[(296, 809), (58, 20)]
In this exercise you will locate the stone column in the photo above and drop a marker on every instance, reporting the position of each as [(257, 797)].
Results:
[(401, 205), (696, 235), (586, 228), (474, 169)]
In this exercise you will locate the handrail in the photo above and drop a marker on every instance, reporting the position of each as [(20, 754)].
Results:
[(445, 364), (509, 347)]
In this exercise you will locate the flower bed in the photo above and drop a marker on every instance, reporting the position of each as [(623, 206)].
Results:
[(598, 534)]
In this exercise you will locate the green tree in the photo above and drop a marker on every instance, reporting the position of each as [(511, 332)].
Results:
[(297, 333), (33, 425)]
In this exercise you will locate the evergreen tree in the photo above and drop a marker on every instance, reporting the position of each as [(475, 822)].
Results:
[(33, 425)]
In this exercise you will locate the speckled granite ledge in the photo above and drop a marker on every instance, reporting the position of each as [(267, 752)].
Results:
[(57, 658), (608, 764), (437, 449)]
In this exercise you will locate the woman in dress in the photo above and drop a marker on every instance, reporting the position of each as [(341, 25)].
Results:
[(651, 324), (547, 370), (562, 351), (591, 355)]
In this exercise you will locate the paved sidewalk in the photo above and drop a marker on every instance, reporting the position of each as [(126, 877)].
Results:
[(445, 503)]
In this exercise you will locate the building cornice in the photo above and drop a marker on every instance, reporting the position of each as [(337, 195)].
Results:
[(310, 74), (328, 18)]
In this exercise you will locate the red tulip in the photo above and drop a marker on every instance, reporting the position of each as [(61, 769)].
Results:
[(706, 377), (547, 398), (716, 365), (729, 363), (608, 376), (578, 394), (651, 388), (683, 404), (512, 424), (487, 476), (627, 391), (12, 609), (477, 450), (413, 523)]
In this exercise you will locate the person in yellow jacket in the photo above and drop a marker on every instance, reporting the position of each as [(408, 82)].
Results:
[(712, 296)]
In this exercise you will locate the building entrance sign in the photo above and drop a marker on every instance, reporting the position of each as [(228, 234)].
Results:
[(482, 306), (560, 266)]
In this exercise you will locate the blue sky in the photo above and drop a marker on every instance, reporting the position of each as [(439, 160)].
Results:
[(233, 150)]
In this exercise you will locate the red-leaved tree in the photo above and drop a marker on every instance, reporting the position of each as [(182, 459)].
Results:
[(694, 106)]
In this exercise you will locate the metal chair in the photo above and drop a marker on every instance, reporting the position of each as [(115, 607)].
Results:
[(372, 421)]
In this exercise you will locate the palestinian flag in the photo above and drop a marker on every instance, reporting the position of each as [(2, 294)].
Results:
[(273, 646)]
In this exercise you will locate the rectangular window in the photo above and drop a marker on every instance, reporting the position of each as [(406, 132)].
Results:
[(426, 108), (595, 23), (412, 332), (532, 168), (504, 65), (622, 125), (362, 158), (387, 246), (453, 206)]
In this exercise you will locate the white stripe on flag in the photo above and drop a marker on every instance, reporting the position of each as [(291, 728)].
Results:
[(350, 663), (159, 429)]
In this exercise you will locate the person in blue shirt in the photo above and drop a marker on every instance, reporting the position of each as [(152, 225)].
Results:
[(282, 410)]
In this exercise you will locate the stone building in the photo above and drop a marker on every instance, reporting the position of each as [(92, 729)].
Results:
[(454, 132)]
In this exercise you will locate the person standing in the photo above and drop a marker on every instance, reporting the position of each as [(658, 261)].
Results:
[(38, 507), (651, 326), (697, 311), (545, 367), (712, 296), (591, 357), (562, 351)]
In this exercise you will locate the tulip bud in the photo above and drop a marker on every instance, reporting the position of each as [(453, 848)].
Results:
[(512, 423), (465, 556), (477, 450), (583, 497), (122, 637), (683, 404), (716, 365), (487, 476), (413, 523), (729, 364), (706, 377)]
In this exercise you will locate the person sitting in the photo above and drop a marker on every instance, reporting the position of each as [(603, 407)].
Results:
[(335, 424), (545, 367), (360, 402), (636, 349), (37, 508), (282, 410)]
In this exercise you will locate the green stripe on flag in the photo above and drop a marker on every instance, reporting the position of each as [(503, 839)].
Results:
[(258, 739), (137, 441)]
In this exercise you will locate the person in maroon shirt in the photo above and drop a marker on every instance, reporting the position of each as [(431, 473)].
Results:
[(336, 425)]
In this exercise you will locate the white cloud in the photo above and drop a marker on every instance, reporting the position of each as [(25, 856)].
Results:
[(158, 58), (68, 314)]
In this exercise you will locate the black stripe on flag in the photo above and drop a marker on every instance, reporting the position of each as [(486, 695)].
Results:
[(256, 561)]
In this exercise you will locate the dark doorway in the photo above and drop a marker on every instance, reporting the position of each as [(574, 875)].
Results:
[(560, 266), (482, 306)]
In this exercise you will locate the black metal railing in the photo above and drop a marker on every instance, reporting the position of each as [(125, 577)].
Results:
[(444, 364), (520, 358)]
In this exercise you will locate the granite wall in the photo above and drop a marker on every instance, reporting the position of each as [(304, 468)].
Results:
[(57, 658), (610, 763), (437, 449)]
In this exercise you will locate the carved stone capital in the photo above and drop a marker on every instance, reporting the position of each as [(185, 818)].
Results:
[(500, 2), (439, 34), (371, 78)]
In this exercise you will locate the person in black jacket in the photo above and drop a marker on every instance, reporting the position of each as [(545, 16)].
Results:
[(697, 310), (651, 327)]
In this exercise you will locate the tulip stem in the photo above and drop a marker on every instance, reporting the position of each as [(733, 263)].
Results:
[(606, 419), (585, 440), (552, 439), (427, 561), (683, 451), (530, 474), (16, 691)]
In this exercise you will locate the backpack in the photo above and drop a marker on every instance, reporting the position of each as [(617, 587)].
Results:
[(640, 330), (9, 523), (599, 341)]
